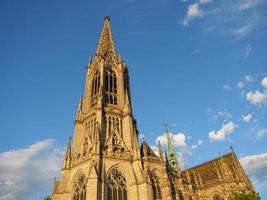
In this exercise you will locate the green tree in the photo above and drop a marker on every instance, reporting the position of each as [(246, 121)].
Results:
[(244, 196), (47, 198)]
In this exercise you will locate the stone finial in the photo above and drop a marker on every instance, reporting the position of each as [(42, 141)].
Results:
[(107, 18), (232, 148)]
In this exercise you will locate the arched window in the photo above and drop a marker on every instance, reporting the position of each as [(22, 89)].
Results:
[(111, 88), (217, 197), (80, 188), (155, 186), (116, 185), (95, 88), (95, 84)]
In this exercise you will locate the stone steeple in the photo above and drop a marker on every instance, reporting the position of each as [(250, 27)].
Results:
[(172, 159), (105, 109), (106, 47)]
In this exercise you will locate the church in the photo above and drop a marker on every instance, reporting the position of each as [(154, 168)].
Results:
[(105, 160)]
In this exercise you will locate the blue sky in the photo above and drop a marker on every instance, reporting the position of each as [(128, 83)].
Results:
[(197, 65)]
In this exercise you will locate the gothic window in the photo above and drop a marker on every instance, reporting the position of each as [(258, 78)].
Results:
[(80, 188), (95, 88), (155, 186), (95, 84), (116, 185), (217, 197), (111, 88)]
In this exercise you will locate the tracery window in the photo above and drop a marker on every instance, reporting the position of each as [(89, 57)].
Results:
[(95, 84), (116, 185), (111, 88), (80, 188), (155, 186), (217, 197), (95, 88)]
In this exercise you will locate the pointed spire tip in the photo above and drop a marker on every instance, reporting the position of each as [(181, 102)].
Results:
[(166, 127), (106, 47), (231, 148), (107, 18), (143, 138)]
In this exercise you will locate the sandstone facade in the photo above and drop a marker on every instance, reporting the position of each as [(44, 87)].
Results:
[(105, 160)]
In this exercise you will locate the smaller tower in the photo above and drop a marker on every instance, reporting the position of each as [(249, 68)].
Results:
[(172, 159), (174, 172)]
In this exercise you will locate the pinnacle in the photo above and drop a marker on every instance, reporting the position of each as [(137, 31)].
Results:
[(106, 47), (107, 18)]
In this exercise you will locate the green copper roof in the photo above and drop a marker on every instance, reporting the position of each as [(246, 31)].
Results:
[(171, 152)]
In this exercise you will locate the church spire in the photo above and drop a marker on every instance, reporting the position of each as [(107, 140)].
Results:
[(67, 156), (173, 162), (106, 47)]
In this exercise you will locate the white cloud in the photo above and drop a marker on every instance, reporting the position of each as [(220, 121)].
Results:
[(249, 4), (264, 82), (204, 1), (192, 12), (247, 118), (155, 149), (259, 133), (223, 113), (226, 87), (249, 78), (199, 142), (237, 18), (26, 172), (240, 84), (221, 134), (256, 167), (209, 110), (257, 98), (162, 139), (178, 140)]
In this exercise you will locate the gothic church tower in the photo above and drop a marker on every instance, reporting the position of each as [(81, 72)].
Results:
[(105, 161)]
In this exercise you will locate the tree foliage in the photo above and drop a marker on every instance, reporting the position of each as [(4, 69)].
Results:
[(48, 198), (244, 196)]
